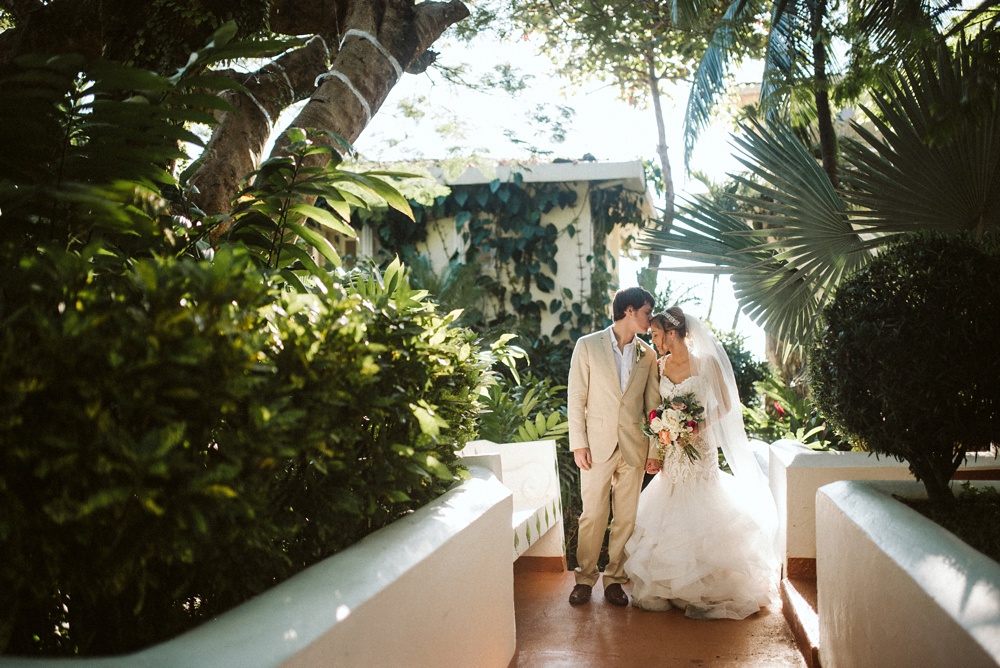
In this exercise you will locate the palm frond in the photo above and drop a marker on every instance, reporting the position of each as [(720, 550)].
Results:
[(788, 58), (711, 76), (934, 163), (787, 244)]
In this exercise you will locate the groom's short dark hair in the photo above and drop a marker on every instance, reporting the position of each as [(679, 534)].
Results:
[(635, 297)]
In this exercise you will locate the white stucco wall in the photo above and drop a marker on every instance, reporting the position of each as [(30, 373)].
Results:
[(531, 471), (434, 588), (796, 472), (897, 590), (575, 253)]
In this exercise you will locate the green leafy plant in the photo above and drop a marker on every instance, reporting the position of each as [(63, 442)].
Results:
[(179, 430), (133, 418), (906, 365), (748, 370), (530, 410), (274, 215), (88, 149), (785, 413)]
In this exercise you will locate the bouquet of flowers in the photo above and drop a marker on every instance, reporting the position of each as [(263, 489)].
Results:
[(675, 424)]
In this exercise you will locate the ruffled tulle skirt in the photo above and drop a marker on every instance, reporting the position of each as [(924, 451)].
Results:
[(703, 546)]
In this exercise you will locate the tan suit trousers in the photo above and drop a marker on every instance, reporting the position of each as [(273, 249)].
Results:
[(608, 484)]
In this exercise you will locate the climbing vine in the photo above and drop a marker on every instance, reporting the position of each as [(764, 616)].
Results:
[(506, 234)]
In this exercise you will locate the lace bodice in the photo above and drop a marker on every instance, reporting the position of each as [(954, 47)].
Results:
[(676, 465)]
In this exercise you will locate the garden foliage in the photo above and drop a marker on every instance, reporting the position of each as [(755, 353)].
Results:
[(183, 425), (907, 365)]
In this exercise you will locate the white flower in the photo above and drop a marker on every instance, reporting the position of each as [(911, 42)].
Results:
[(672, 420), (639, 351), (656, 425)]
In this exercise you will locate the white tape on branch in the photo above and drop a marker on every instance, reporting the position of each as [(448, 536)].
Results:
[(378, 45), (253, 99), (350, 86)]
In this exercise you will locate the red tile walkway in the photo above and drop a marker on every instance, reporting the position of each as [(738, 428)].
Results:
[(553, 634)]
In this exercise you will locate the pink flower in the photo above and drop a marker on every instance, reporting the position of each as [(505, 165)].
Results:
[(778, 408), (665, 437), (652, 414)]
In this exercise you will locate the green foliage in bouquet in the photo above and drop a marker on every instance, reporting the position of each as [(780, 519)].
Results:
[(907, 366)]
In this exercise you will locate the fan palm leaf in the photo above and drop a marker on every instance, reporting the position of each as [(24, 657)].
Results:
[(787, 57), (787, 244), (933, 162)]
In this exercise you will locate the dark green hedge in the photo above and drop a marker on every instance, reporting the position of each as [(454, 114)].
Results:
[(178, 438), (907, 365), (185, 424)]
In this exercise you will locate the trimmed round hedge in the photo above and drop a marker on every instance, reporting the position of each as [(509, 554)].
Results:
[(907, 365)]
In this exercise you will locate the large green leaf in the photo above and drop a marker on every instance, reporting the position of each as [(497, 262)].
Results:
[(787, 242), (933, 159)]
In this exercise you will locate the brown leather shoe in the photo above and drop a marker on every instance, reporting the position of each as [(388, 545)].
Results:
[(615, 595), (579, 595)]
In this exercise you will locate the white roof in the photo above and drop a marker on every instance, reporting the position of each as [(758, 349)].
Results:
[(629, 174)]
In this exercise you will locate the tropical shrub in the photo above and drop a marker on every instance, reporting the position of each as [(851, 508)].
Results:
[(183, 426), (131, 413), (748, 370), (785, 414), (907, 365), (181, 437), (528, 409)]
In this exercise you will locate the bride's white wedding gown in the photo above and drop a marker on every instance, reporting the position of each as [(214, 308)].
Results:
[(698, 543)]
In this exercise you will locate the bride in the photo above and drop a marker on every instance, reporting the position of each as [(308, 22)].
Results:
[(703, 539)]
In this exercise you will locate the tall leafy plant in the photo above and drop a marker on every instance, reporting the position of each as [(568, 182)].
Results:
[(277, 215), (179, 430)]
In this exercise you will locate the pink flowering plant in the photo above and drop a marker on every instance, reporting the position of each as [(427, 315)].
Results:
[(675, 424)]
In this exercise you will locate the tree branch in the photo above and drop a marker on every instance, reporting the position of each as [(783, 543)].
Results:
[(381, 39), (237, 143)]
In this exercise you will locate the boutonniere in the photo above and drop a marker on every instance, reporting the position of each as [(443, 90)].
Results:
[(639, 351)]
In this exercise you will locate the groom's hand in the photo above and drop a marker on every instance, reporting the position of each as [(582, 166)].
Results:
[(653, 466), (583, 459)]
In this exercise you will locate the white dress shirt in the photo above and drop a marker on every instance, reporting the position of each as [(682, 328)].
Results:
[(624, 359)]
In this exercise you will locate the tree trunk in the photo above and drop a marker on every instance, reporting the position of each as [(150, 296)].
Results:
[(237, 144), (371, 43), (937, 482), (381, 40), (824, 117), (661, 151)]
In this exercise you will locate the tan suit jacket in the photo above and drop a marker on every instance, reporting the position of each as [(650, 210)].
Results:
[(601, 417)]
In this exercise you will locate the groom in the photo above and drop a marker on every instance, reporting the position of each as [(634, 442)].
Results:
[(613, 384)]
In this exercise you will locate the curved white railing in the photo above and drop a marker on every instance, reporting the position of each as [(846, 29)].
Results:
[(434, 588)]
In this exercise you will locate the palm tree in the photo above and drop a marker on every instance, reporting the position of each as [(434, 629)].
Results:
[(790, 236), (876, 36)]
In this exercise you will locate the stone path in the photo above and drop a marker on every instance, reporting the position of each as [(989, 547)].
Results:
[(553, 634)]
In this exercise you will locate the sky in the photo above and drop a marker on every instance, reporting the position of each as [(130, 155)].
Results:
[(483, 124)]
